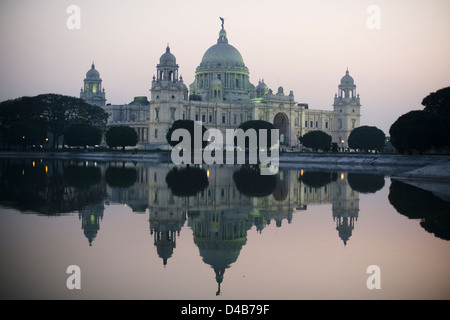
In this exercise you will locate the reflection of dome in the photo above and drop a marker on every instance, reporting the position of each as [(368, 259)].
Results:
[(167, 58), (222, 54), (93, 73)]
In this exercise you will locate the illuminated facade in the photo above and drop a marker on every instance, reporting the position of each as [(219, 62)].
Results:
[(222, 97)]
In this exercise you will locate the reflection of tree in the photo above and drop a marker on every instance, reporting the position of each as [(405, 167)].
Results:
[(317, 179), (365, 182), (416, 203), (21, 186), (281, 186), (82, 177), (250, 182), (44, 188), (120, 177), (187, 182)]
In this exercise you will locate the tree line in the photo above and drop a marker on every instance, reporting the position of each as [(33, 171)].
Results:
[(63, 120), (58, 120)]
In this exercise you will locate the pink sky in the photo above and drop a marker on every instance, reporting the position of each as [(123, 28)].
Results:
[(304, 46)]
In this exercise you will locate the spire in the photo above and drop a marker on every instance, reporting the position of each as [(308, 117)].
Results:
[(167, 48)]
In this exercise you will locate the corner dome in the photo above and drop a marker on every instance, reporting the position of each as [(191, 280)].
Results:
[(93, 73), (167, 58), (347, 79)]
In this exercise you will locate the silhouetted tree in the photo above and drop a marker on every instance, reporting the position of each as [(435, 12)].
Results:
[(421, 131), (316, 140), (367, 138), (438, 102), (188, 125), (258, 125), (59, 112), (54, 111), (82, 134), (26, 133), (121, 136)]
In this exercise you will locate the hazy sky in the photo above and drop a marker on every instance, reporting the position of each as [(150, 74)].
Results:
[(304, 46)]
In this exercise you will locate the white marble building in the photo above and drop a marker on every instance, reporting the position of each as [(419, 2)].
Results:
[(223, 97)]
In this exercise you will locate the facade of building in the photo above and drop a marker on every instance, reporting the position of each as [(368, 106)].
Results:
[(222, 97)]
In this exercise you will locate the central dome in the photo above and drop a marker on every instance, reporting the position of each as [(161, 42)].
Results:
[(222, 54)]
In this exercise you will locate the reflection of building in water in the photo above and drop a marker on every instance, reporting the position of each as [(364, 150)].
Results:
[(334, 189), (90, 220), (220, 236), (345, 208), (220, 216)]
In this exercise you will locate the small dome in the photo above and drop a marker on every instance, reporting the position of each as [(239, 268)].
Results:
[(262, 88), (92, 73), (167, 58), (347, 79)]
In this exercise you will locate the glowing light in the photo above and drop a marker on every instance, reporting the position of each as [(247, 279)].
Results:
[(46, 169), (342, 176), (46, 139), (207, 173), (301, 172), (34, 164)]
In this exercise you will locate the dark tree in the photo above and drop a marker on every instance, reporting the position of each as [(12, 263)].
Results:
[(438, 102), (367, 138), (188, 125), (59, 112), (316, 140), (420, 130), (19, 112), (26, 133), (54, 111), (121, 136), (82, 135), (258, 125)]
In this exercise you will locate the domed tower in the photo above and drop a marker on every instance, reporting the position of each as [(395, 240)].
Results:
[(168, 96), (346, 110), (92, 92), (222, 62)]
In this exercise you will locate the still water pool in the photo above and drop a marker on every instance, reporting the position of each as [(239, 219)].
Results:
[(156, 231)]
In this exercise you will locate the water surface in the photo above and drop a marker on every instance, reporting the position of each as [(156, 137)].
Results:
[(156, 231)]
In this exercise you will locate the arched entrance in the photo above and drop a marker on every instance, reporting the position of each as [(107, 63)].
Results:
[(281, 122)]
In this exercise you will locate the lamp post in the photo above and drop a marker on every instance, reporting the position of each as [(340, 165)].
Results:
[(342, 141)]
